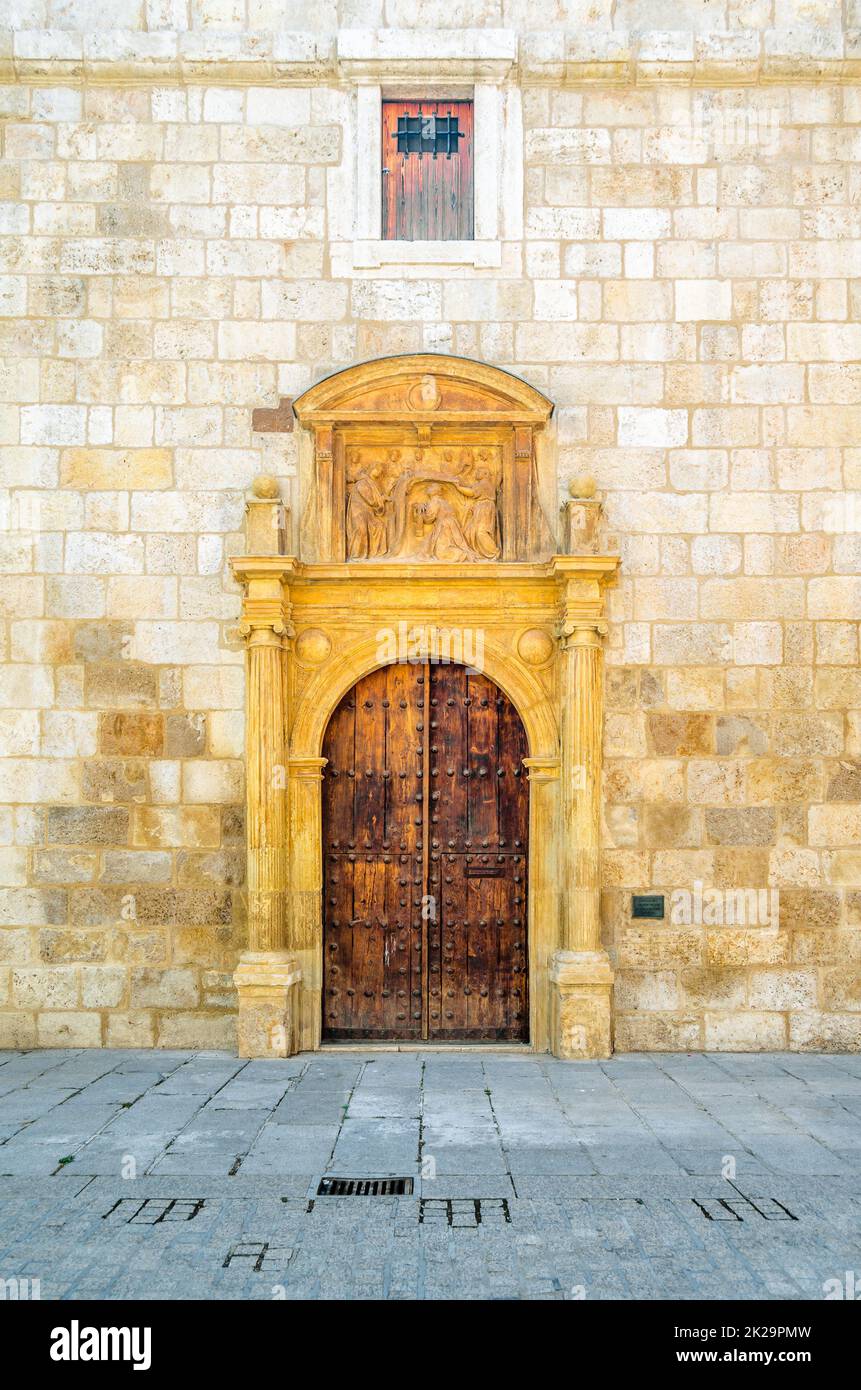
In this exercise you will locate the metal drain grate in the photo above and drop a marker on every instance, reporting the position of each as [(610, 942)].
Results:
[(365, 1187)]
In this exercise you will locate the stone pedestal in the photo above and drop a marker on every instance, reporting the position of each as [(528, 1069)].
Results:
[(268, 986), (581, 984)]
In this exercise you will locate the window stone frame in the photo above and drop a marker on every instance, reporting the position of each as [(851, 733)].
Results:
[(482, 74)]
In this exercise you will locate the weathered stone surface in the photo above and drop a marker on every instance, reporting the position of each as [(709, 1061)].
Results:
[(164, 989), (225, 867), (681, 735), (131, 734), (135, 866), (185, 735), (63, 945), (64, 866), (735, 736), (122, 685), (85, 825), (751, 825), (746, 1032), (114, 779), (158, 827)]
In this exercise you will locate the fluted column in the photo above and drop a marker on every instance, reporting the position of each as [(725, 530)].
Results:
[(581, 976), (266, 790), (582, 715)]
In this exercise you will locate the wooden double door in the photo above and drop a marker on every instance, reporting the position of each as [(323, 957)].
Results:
[(425, 838)]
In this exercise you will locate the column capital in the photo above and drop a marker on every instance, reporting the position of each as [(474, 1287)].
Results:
[(264, 568), (266, 608), (542, 769), (308, 769), (264, 625), (576, 631)]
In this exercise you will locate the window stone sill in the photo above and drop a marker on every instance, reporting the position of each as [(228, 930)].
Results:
[(373, 254)]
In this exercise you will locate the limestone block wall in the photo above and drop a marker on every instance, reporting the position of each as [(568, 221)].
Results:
[(682, 275)]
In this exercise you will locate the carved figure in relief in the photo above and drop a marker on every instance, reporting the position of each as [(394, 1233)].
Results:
[(447, 540), (482, 524), (367, 509)]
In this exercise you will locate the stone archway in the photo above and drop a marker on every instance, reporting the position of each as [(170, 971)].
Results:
[(315, 625)]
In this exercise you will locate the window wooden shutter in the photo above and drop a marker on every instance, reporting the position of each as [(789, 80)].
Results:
[(427, 171)]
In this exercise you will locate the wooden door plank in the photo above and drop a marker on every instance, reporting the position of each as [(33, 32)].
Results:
[(370, 763), (483, 828)]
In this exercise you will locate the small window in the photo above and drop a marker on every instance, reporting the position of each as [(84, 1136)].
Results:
[(427, 171)]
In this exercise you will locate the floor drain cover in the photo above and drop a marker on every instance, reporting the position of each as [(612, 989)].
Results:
[(365, 1187)]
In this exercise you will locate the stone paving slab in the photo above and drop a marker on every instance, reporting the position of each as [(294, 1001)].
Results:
[(193, 1176)]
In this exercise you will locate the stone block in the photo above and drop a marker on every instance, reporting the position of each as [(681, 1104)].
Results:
[(114, 779), (746, 1032), (17, 1030), (198, 1031), (64, 866), (129, 1030), (157, 827), (131, 734), (164, 989), (38, 987), (581, 1005), (681, 735), (83, 825), (69, 1029), (749, 825), (67, 945), (136, 867), (830, 827)]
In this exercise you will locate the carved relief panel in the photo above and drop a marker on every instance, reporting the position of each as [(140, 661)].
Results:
[(428, 459), (426, 503)]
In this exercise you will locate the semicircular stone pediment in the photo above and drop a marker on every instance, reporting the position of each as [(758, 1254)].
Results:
[(428, 384)]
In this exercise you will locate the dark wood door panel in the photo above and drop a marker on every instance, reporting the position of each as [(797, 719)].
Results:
[(425, 935)]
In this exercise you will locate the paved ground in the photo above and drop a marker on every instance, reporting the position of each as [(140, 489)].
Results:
[(168, 1174)]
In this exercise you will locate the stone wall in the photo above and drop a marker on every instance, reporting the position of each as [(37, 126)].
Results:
[(684, 282)]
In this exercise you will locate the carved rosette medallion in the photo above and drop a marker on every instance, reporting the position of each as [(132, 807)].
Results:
[(535, 646), (313, 645)]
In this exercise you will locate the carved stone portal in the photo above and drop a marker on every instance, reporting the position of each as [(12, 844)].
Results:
[(423, 524)]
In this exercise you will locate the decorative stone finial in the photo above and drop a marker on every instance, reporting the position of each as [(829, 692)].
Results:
[(265, 487), (582, 485)]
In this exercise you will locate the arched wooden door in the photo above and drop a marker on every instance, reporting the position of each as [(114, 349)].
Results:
[(425, 829)]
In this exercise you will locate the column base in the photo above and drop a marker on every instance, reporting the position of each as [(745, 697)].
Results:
[(581, 1010), (268, 987)]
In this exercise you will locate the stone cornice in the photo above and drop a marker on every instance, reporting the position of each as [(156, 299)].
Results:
[(602, 569), (591, 55)]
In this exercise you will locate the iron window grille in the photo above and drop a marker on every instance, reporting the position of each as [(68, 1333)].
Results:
[(428, 134)]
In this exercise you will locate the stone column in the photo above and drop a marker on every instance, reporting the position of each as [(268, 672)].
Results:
[(267, 976), (581, 976), (544, 895)]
